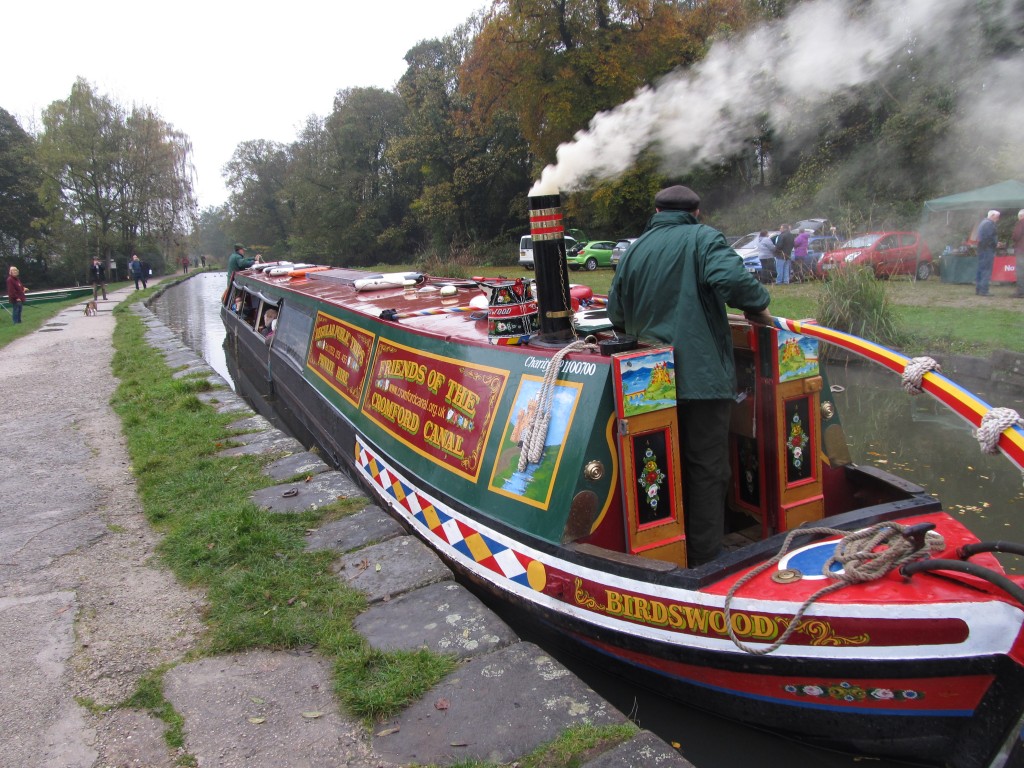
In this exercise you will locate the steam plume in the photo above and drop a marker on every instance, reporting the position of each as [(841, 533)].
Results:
[(783, 69)]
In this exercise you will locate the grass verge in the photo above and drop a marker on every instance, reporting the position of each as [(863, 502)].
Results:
[(263, 589)]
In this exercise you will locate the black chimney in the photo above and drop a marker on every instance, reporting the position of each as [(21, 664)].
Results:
[(547, 233)]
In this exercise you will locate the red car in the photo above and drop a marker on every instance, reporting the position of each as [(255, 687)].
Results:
[(887, 253)]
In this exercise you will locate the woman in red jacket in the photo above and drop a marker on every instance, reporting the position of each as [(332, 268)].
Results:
[(15, 294)]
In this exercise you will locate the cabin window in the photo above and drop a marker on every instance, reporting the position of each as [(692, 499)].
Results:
[(294, 324), (265, 324), (242, 304)]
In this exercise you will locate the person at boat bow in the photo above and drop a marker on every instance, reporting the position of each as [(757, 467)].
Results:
[(672, 287), (15, 293), (238, 261)]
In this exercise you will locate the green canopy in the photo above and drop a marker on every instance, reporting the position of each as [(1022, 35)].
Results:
[(1006, 194)]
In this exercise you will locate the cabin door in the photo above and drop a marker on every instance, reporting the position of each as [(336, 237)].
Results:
[(776, 433), (650, 466)]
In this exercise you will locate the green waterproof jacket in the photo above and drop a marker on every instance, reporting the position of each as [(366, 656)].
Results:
[(236, 263), (672, 286)]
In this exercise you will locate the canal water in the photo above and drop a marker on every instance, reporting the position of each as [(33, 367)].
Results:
[(913, 437)]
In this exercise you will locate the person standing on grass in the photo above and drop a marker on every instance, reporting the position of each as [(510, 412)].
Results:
[(800, 255), (15, 293), (784, 243), (987, 242), (1018, 253)]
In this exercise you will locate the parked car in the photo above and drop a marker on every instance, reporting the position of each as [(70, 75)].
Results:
[(620, 249), (526, 249), (745, 247), (817, 247), (814, 226), (596, 253), (887, 253)]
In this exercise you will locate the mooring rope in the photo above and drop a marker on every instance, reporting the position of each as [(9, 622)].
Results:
[(914, 372), (535, 432), (860, 563)]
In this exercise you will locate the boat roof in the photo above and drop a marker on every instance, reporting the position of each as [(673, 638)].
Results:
[(416, 302)]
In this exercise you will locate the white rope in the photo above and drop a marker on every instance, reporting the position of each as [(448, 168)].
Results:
[(915, 371), (535, 432), (993, 424), (855, 552)]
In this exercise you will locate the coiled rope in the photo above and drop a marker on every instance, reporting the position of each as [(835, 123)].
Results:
[(535, 432), (860, 563)]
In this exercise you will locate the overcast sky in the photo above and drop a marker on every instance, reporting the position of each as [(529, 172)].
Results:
[(220, 71)]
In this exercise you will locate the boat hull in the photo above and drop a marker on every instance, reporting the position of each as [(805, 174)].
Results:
[(885, 669), (51, 297)]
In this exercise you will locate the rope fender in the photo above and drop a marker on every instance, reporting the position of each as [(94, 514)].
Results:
[(993, 424), (535, 432), (914, 371)]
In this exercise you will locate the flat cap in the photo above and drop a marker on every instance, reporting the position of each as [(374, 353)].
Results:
[(677, 198), (238, 246)]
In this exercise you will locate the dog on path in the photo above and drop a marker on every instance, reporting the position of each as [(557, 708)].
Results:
[(90, 308)]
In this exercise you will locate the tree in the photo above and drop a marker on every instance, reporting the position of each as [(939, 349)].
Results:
[(116, 175), (20, 209), (256, 175)]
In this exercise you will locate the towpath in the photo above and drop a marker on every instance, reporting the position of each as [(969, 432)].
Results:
[(86, 609)]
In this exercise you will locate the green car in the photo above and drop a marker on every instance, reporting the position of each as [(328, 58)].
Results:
[(590, 256)]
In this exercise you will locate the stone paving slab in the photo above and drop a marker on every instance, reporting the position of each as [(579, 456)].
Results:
[(370, 526), (445, 618), (322, 490), (645, 749), (264, 710), (252, 423), (178, 359), (391, 568), (498, 707), (193, 370), (261, 443), (224, 401), (293, 465)]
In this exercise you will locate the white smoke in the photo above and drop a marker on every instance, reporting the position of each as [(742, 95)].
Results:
[(784, 69)]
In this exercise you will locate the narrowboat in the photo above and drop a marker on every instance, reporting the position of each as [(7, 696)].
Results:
[(508, 425), (51, 296)]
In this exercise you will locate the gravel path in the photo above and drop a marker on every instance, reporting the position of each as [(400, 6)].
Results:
[(85, 609)]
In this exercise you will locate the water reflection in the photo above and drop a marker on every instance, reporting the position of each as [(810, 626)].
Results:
[(192, 310), (913, 437), (918, 438)]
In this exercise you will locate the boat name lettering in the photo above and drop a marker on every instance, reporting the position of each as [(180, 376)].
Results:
[(444, 439), (395, 413), (688, 618), (342, 334), (579, 367), (462, 398), (328, 366), (397, 368)]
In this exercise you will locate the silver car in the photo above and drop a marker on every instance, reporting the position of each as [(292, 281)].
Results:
[(620, 249)]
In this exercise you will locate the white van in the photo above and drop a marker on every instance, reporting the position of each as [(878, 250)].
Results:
[(526, 250)]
